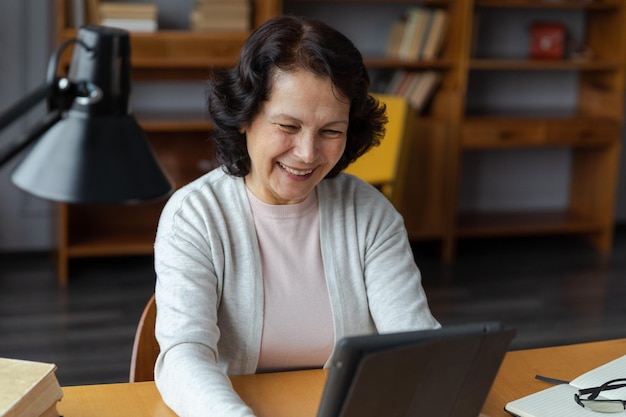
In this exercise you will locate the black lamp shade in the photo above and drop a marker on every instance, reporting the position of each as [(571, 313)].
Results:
[(96, 153), (92, 160)]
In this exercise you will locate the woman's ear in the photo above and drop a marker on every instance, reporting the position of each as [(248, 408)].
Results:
[(242, 130)]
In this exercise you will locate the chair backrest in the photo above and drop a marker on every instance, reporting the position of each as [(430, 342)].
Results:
[(145, 347), (379, 166)]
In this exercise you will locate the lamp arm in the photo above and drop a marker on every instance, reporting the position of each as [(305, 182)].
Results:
[(7, 153), (45, 91), (25, 104), (59, 94)]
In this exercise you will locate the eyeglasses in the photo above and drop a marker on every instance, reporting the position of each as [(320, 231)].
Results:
[(602, 406)]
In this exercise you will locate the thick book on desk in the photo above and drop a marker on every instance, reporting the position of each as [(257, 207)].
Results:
[(559, 400), (28, 389)]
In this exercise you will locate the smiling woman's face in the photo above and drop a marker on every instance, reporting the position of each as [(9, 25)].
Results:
[(296, 138)]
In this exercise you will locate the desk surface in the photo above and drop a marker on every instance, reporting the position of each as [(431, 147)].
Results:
[(297, 394)]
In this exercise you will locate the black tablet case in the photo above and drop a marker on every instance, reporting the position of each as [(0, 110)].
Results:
[(430, 373)]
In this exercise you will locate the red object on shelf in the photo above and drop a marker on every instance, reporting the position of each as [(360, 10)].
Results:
[(547, 40)]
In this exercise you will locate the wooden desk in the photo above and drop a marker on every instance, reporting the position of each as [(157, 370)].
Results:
[(297, 394), (516, 377)]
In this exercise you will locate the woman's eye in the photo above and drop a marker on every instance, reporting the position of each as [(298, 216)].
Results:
[(330, 132), (290, 128)]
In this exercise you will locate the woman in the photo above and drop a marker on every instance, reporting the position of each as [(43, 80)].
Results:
[(264, 264)]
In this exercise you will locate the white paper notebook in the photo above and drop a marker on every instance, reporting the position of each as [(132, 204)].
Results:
[(558, 401)]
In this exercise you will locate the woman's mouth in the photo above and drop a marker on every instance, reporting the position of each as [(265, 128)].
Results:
[(297, 172)]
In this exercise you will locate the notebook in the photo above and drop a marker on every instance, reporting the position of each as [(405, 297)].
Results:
[(428, 373)]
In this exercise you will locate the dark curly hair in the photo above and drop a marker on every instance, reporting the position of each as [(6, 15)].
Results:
[(290, 43)]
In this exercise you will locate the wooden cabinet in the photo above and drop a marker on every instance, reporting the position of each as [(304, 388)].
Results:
[(179, 140), (475, 58)]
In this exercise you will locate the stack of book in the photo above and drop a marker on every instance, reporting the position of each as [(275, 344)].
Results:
[(221, 16), (134, 17), (419, 35), (416, 86), (28, 389)]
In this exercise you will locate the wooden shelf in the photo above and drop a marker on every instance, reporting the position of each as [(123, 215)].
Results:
[(173, 122), (527, 223), (556, 4), (114, 245), (392, 63), (509, 132), (547, 65), (172, 55), (411, 2), (109, 230), (184, 49)]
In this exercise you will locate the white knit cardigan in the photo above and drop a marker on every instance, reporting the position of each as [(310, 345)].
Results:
[(209, 288)]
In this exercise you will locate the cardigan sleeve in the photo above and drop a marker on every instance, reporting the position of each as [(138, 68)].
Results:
[(187, 373), (375, 283), (395, 294)]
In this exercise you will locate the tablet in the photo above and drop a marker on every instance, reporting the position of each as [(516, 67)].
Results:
[(430, 373)]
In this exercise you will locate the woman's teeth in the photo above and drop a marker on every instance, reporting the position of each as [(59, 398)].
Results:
[(295, 171)]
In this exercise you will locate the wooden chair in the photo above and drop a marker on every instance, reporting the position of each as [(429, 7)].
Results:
[(145, 347), (379, 166)]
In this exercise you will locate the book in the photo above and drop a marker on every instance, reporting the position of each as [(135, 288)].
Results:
[(416, 21), (225, 9), (423, 90), (394, 39), (134, 17), (426, 23), (221, 15), (417, 87), (225, 23), (28, 389), (559, 400), (128, 10), (416, 77), (436, 35), (131, 25), (408, 78), (394, 82)]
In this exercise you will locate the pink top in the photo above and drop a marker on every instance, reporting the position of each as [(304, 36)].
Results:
[(297, 319)]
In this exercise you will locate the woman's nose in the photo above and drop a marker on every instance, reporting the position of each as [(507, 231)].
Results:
[(305, 147)]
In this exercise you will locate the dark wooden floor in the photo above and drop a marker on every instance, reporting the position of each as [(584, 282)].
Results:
[(552, 290)]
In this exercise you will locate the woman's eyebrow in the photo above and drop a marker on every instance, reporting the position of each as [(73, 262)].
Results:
[(295, 119)]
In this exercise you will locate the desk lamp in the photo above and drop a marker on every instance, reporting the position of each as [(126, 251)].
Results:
[(89, 149)]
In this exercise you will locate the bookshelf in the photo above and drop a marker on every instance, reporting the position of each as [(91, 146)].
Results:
[(180, 140), (448, 129), (424, 196), (453, 126), (589, 127)]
